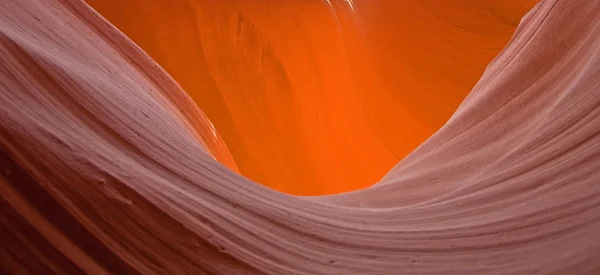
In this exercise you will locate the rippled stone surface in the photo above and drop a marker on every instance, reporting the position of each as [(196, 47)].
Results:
[(108, 166)]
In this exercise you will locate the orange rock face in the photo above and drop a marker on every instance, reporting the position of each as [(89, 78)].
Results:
[(317, 97)]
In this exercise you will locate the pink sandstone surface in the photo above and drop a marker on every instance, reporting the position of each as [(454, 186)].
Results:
[(107, 166)]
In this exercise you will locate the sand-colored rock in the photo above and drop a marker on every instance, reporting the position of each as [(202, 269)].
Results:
[(108, 168)]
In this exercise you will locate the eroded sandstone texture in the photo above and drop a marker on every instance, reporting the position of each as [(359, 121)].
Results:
[(108, 167)]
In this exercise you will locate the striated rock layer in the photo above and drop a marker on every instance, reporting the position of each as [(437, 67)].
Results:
[(317, 97), (107, 166)]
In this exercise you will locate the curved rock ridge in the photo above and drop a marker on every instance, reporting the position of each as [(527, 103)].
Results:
[(320, 97), (107, 166)]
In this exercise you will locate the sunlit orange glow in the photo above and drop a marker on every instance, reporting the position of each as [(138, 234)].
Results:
[(321, 96)]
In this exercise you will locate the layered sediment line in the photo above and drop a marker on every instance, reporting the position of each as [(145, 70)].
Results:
[(107, 166)]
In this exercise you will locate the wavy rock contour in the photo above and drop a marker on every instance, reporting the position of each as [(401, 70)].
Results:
[(108, 166)]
